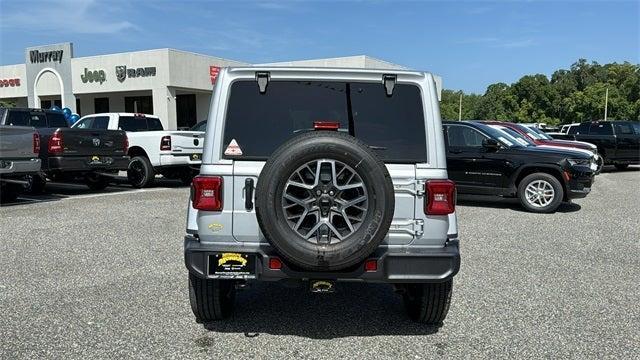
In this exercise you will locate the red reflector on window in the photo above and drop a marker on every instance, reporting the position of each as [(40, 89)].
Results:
[(371, 265), (326, 125), (206, 193), (441, 197), (275, 263)]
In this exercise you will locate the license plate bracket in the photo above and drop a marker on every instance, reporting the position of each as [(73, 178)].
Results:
[(232, 265)]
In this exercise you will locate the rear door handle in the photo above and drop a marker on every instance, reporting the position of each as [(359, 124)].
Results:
[(248, 194)]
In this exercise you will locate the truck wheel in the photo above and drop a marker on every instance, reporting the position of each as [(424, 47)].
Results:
[(211, 300), (140, 173), (96, 182), (540, 192), (35, 184), (9, 192), (428, 303), (324, 201), (621, 166)]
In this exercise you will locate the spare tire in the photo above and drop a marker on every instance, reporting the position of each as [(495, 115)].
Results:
[(324, 201)]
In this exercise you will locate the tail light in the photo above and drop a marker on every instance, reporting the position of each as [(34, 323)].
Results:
[(206, 193), (441, 197), (125, 146), (326, 125), (36, 143), (56, 145), (165, 143)]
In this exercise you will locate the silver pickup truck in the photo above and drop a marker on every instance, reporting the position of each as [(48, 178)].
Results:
[(19, 148)]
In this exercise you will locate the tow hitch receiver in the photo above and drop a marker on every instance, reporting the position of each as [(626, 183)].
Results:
[(322, 286)]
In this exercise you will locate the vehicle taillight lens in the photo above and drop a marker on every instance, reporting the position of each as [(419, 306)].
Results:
[(206, 193), (125, 146), (326, 125), (36, 143), (441, 197), (165, 143), (56, 145)]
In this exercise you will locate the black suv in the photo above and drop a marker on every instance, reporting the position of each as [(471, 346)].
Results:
[(485, 160)]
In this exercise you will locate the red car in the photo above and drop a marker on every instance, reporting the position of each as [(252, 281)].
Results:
[(538, 137)]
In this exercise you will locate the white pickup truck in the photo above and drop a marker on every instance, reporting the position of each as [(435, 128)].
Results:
[(173, 154)]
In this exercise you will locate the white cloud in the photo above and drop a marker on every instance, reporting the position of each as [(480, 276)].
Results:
[(70, 16)]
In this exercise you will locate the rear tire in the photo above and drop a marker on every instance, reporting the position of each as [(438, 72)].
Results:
[(548, 182), (35, 184), (96, 182), (140, 173), (621, 166), (211, 300), (428, 303)]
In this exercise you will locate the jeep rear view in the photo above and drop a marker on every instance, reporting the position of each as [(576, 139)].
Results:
[(317, 176)]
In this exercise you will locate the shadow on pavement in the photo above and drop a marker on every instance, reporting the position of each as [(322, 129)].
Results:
[(506, 203), (354, 310), (55, 191)]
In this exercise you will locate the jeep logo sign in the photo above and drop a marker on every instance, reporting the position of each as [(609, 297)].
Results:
[(46, 56), (122, 72), (93, 76)]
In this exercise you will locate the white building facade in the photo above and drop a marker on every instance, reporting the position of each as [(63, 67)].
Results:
[(172, 84)]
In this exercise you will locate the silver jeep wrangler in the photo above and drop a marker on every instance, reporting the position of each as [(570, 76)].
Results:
[(318, 175)]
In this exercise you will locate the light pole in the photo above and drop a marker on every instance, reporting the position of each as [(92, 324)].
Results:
[(606, 102), (460, 107)]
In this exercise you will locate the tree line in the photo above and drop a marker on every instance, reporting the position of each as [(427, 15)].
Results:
[(573, 95)]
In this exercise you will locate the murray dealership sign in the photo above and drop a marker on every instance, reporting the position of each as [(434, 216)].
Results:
[(45, 56)]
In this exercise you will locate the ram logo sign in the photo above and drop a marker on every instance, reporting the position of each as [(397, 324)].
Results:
[(122, 72)]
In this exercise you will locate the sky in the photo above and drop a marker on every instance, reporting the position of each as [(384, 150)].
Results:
[(471, 44)]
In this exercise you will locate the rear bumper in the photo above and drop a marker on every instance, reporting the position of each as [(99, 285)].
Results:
[(87, 163), (394, 265), (186, 159), (17, 168)]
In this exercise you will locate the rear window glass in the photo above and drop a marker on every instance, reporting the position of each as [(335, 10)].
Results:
[(56, 120), (601, 129), (624, 129), (580, 129), (154, 124), (392, 126), (17, 118), (131, 123)]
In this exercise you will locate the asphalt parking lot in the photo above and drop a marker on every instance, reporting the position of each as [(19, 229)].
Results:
[(101, 275)]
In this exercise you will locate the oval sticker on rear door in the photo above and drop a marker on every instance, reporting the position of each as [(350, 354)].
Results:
[(215, 227)]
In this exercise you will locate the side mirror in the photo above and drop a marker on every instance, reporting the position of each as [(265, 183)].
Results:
[(491, 144)]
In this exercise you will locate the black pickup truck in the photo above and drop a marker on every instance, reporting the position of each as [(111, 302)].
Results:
[(87, 155), (618, 141)]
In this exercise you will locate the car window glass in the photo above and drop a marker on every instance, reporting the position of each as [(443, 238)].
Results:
[(601, 129), (100, 122), (624, 129), (636, 127), (84, 123), (17, 118), (154, 124), (37, 121), (201, 126), (580, 129), (392, 125), (464, 136), (56, 119), (131, 123)]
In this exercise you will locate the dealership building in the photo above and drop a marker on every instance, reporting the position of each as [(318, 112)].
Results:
[(172, 84)]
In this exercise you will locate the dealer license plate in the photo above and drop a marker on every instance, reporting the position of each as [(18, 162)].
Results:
[(232, 265)]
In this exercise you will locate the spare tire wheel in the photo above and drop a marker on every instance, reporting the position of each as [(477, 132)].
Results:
[(324, 201)]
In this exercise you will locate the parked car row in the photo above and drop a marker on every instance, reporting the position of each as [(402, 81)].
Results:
[(38, 145)]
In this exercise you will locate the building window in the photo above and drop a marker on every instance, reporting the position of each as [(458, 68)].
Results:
[(47, 104), (138, 104), (186, 111), (101, 105), (78, 111)]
